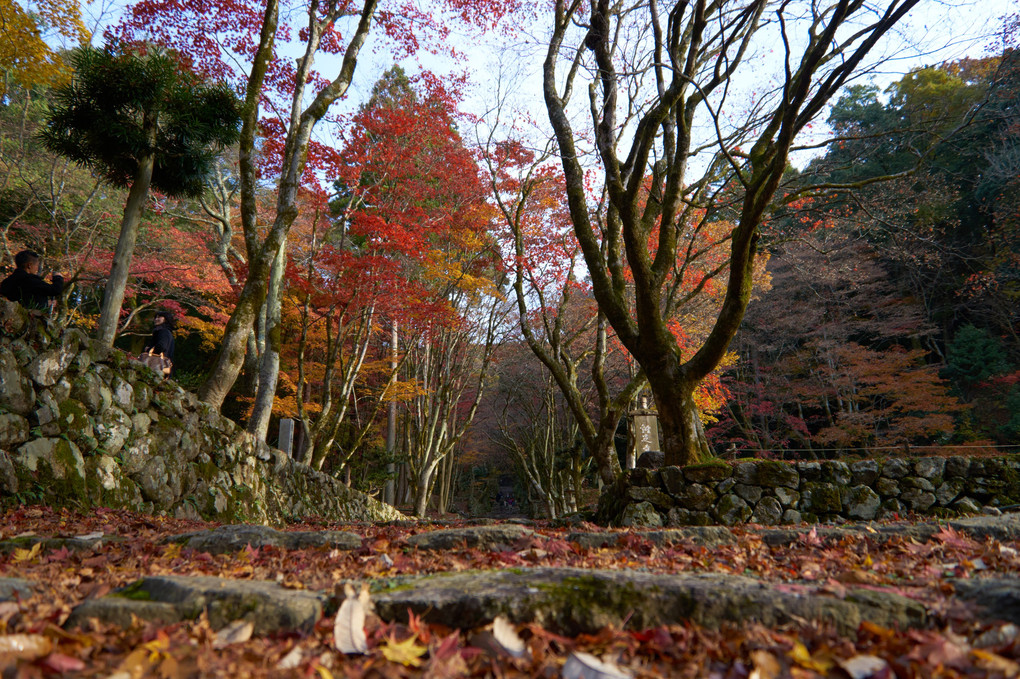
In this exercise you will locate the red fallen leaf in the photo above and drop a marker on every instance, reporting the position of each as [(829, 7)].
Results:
[(658, 637), (415, 624), (559, 548), (811, 537), (950, 538), (635, 543), (447, 647), (60, 663), (58, 555)]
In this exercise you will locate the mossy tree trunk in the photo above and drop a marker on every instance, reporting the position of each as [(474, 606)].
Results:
[(301, 122)]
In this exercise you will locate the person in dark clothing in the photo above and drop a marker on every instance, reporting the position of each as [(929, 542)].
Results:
[(26, 286), (162, 339)]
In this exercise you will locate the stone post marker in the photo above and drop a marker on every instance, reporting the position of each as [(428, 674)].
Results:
[(644, 432), (287, 435)]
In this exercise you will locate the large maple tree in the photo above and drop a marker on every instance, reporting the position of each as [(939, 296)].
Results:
[(27, 30), (297, 98), (415, 197), (658, 76)]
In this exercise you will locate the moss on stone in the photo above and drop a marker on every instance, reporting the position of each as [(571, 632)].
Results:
[(118, 360), (71, 490), (820, 498), (74, 421), (773, 473), (707, 471), (591, 593), (1010, 491), (135, 591), (19, 542)]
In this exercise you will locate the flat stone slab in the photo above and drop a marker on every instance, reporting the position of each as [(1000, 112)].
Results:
[(78, 543), (229, 539), (498, 538), (172, 598), (1003, 528), (15, 588), (703, 536), (575, 600), (997, 598)]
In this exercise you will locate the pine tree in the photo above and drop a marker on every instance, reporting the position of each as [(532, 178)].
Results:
[(138, 118)]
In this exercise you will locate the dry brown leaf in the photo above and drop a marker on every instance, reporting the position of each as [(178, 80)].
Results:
[(863, 666), (859, 577), (236, 632), (349, 627), (135, 665), (292, 660), (993, 662), (25, 646), (586, 666), (766, 665), (507, 638)]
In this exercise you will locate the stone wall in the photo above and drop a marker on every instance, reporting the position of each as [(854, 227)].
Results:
[(82, 426), (770, 492)]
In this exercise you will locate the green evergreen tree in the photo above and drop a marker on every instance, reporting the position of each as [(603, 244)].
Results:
[(974, 356), (139, 118)]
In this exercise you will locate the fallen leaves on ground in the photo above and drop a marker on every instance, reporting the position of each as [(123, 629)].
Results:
[(355, 643)]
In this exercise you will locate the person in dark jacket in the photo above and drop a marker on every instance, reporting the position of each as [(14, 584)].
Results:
[(26, 286), (162, 339)]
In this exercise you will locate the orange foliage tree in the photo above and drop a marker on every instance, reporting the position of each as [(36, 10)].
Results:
[(402, 244), (833, 358)]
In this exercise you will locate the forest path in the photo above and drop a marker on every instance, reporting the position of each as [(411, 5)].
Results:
[(579, 582)]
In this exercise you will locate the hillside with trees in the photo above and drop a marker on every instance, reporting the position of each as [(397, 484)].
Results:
[(443, 301)]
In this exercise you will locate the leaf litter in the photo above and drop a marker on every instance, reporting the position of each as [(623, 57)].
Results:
[(356, 643)]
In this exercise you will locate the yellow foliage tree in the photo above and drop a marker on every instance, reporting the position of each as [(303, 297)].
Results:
[(25, 56)]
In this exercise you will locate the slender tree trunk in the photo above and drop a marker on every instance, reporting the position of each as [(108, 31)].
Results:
[(421, 491), (113, 293), (241, 322), (389, 491), (269, 366), (446, 472), (250, 369), (232, 347)]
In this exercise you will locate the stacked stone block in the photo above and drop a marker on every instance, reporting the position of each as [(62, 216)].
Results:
[(82, 425), (770, 492)]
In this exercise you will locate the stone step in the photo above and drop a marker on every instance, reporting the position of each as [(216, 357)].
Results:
[(573, 600), (565, 600), (175, 598), (228, 539)]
